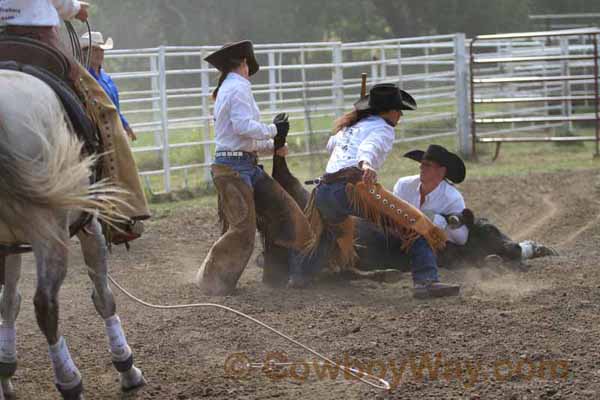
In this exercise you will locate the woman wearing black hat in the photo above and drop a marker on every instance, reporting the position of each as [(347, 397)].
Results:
[(364, 138), (246, 192)]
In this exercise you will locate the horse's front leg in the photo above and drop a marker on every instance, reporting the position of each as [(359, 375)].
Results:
[(95, 255), (10, 303), (51, 256)]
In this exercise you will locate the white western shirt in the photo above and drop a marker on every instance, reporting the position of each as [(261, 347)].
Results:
[(370, 140), (37, 12), (237, 118), (444, 199)]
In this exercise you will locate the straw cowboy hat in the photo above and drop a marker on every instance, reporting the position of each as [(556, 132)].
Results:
[(97, 41), (455, 167), (385, 97), (222, 58)]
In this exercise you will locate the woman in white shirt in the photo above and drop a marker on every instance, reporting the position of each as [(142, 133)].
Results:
[(246, 192), (363, 140)]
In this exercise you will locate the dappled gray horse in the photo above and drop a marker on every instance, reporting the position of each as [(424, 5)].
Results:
[(44, 188)]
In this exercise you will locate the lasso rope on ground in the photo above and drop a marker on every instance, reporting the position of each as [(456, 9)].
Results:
[(364, 377)]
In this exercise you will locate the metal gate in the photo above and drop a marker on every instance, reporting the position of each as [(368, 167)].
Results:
[(566, 58)]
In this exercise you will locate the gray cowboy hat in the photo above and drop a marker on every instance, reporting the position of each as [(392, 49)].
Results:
[(455, 167), (386, 97), (221, 59)]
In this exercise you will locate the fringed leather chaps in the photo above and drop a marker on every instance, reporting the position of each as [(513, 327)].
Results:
[(118, 163), (394, 215), (379, 206), (229, 255)]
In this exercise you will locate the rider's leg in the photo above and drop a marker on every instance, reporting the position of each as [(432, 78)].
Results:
[(229, 255), (118, 164)]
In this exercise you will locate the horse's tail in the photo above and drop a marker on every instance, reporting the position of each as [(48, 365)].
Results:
[(55, 179)]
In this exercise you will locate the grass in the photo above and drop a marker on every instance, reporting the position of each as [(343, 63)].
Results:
[(516, 159)]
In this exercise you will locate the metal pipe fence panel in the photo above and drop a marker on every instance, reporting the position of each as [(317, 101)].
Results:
[(166, 93)]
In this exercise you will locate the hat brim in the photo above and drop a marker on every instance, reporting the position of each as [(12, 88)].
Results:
[(107, 45), (220, 59), (407, 102), (416, 155), (456, 170)]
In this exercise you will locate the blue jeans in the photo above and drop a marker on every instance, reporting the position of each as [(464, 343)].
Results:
[(334, 207), (246, 166)]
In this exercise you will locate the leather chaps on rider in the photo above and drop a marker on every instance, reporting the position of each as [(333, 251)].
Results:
[(280, 221)]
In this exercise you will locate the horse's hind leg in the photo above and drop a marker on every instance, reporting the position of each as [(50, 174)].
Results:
[(10, 303), (51, 258), (95, 254)]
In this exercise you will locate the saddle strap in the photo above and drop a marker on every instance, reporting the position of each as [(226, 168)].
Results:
[(83, 127)]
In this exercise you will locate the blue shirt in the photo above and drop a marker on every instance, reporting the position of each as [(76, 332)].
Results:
[(111, 90)]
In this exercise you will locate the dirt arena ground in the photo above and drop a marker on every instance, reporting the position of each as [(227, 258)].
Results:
[(510, 335)]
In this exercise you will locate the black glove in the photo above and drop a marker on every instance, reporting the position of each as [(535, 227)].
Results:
[(283, 126)]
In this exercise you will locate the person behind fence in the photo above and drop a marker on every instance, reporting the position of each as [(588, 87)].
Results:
[(96, 46), (245, 191), (39, 20), (363, 140), (433, 191)]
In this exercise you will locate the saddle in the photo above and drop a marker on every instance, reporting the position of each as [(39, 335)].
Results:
[(25, 50), (50, 66)]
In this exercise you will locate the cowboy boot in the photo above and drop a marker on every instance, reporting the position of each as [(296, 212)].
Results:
[(283, 226), (228, 257), (427, 290)]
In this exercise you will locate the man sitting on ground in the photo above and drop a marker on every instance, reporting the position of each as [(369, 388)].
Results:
[(470, 240)]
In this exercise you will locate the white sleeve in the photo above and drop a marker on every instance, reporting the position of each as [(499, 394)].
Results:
[(67, 9), (375, 148), (241, 111), (264, 147), (331, 143), (458, 236), (398, 189)]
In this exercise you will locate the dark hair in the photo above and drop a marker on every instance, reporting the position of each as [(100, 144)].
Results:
[(351, 118), (232, 64)]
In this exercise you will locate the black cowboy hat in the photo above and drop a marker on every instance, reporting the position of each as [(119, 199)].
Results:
[(455, 167), (221, 59), (385, 97)]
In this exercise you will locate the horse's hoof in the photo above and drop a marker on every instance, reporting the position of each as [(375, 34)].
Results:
[(74, 393), (8, 389), (132, 379), (493, 261), (390, 276)]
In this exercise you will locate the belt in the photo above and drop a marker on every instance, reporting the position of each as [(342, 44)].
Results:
[(349, 174), (235, 154)]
